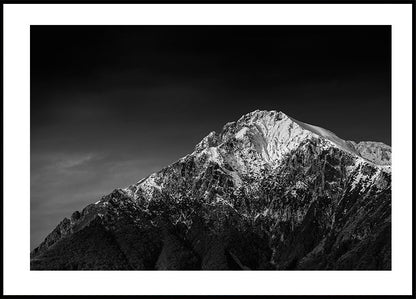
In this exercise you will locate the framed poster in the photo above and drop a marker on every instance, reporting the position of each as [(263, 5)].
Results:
[(204, 139)]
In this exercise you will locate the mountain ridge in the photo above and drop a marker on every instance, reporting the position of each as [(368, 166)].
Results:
[(264, 176)]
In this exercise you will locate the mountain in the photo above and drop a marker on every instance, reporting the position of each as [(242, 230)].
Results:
[(267, 192)]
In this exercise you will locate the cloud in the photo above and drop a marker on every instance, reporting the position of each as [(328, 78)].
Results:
[(72, 162)]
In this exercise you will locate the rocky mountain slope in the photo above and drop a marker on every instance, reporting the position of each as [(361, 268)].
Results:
[(267, 192)]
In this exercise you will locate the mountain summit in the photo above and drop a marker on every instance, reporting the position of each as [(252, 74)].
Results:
[(267, 192)]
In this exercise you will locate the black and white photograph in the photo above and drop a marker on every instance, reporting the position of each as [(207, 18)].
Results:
[(210, 148)]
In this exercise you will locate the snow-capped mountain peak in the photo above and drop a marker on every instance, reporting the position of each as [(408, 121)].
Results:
[(272, 134)]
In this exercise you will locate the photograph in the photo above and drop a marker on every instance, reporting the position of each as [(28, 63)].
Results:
[(210, 147)]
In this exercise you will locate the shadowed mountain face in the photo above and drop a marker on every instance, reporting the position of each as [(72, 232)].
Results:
[(267, 192)]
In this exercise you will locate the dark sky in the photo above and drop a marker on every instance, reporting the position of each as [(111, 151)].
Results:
[(112, 104)]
